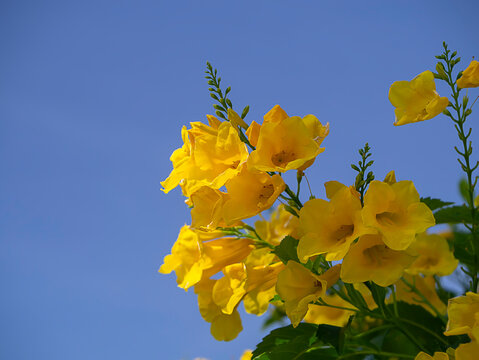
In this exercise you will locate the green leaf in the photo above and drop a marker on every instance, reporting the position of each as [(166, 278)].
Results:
[(453, 215), (464, 189), (286, 343), (435, 204), (276, 297), (463, 249), (378, 293), (331, 335), (287, 249), (425, 328)]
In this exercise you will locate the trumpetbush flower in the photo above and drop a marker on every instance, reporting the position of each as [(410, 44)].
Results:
[(470, 76), (200, 254), (416, 100), (298, 287), (396, 212), (331, 227), (371, 259), (224, 327), (249, 193), (210, 156), (463, 314), (286, 143), (433, 256)]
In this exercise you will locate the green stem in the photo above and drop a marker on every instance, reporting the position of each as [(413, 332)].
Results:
[(466, 167), (373, 330), (415, 290), (423, 328), (293, 197), (396, 321)]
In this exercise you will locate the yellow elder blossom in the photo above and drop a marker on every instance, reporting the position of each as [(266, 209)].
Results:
[(416, 100), (247, 355), (331, 227), (207, 207), (286, 143), (318, 314), (463, 313), (371, 259), (224, 327), (252, 281), (470, 76), (209, 156), (467, 351), (250, 193), (434, 256), (199, 254), (437, 356), (427, 287), (281, 224), (396, 212), (298, 287)]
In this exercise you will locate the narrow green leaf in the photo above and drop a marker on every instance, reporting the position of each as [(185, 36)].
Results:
[(286, 343), (453, 215), (435, 204)]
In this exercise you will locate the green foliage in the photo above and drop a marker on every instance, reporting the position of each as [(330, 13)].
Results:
[(435, 204), (362, 182), (463, 250), (304, 342), (287, 249), (453, 215), (224, 103), (419, 326)]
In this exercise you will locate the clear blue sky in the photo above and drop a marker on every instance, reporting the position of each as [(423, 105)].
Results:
[(92, 98)]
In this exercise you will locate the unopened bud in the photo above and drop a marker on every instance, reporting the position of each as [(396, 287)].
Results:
[(236, 120)]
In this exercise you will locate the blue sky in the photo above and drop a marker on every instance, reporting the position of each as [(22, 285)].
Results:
[(92, 98)]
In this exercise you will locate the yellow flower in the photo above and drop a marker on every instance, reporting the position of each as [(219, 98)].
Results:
[(253, 133), (427, 287), (467, 351), (437, 356), (463, 313), (286, 143), (209, 157), (250, 193), (416, 100), (207, 207), (224, 327), (281, 224), (247, 355), (470, 76), (396, 212), (434, 256), (371, 259), (298, 287), (331, 227), (252, 281), (199, 254), (318, 314)]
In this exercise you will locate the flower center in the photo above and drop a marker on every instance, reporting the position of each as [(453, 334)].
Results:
[(266, 192), (377, 253), (283, 157), (388, 218), (342, 232)]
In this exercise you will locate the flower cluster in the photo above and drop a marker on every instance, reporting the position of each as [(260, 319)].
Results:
[(363, 260), (225, 184)]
